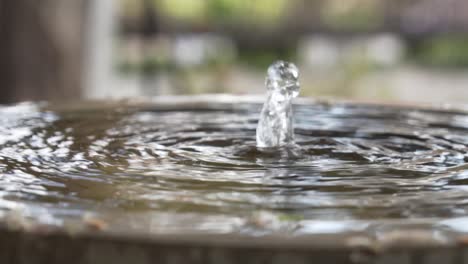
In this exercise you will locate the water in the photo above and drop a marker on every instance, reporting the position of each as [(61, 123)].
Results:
[(275, 127), (196, 168)]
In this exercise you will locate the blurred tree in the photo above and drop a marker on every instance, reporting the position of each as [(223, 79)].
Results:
[(41, 49)]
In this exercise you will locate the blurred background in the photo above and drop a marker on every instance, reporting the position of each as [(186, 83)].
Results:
[(380, 50)]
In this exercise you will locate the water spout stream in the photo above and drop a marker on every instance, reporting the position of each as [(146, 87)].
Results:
[(275, 127)]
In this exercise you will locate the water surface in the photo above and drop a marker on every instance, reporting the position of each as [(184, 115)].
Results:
[(197, 169)]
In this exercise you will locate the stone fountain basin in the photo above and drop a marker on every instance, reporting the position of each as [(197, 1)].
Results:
[(25, 241)]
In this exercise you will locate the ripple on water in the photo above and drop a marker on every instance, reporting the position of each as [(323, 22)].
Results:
[(164, 169)]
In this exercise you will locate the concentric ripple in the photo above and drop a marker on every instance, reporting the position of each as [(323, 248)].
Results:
[(197, 168)]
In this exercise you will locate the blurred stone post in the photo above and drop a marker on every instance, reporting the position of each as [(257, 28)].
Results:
[(41, 49), (98, 72)]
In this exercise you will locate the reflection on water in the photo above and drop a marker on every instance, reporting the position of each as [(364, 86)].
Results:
[(198, 169)]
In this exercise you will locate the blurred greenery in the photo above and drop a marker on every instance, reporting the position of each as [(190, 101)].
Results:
[(148, 66), (265, 12), (182, 9), (437, 51), (257, 59), (352, 14), (443, 51), (342, 46)]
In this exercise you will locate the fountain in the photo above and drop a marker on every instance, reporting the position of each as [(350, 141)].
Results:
[(187, 181)]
